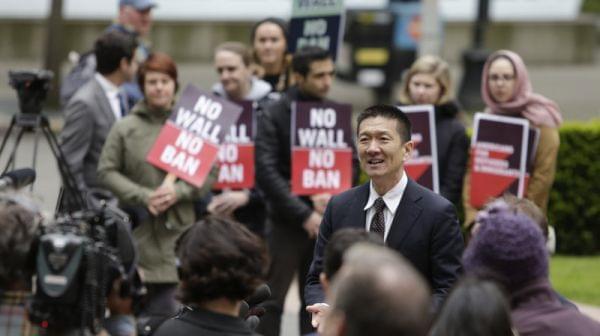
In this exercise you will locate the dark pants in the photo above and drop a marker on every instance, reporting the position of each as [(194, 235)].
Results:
[(291, 252)]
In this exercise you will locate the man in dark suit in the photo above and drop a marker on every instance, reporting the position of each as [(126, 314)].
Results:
[(414, 221), (95, 107)]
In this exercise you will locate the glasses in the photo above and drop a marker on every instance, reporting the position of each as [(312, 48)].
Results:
[(497, 78)]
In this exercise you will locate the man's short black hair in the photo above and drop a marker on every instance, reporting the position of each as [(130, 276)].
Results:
[(388, 112), (111, 47), (305, 56), (220, 258), (341, 241)]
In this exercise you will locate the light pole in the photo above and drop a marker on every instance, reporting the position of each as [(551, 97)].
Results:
[(473, 60)]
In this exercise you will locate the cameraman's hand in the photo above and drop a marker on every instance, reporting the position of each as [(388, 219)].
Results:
[(162, 198), (227, 202), (312, 223), (320, 202)]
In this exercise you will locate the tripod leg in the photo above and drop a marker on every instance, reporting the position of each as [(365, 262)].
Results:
[(67, 176), (36, 141), (10, 164), (7, 135)]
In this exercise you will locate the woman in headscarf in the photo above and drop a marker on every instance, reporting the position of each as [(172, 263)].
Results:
[(506, 90)]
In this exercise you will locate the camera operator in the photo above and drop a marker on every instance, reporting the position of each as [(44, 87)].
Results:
[(19, 221), (221, 263)]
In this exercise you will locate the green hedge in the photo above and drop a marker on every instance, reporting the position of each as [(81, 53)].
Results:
[(574, 207), (591, 6)]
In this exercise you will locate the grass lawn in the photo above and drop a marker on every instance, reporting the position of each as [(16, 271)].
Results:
[(577, 278)]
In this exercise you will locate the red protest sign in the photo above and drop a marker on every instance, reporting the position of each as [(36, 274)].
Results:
[(236, 155), (188, 144), (501, 149), (422, 166), (321, 152)]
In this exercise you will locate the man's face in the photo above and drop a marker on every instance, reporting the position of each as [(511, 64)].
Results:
[(233, 73), (380, 149), (139, 20), (318, 80)]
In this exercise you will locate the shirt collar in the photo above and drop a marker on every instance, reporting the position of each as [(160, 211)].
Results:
[(391, 198), (106, 85)]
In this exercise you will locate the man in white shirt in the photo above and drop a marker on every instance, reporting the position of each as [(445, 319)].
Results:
[(412, 220), (95, 107)]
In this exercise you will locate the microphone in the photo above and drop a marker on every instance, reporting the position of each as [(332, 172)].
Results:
[(252, 322), (17, 178), (244, 309), (262, 293)]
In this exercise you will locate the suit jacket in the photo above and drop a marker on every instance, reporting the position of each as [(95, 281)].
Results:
[(88, 119), (425, 230)]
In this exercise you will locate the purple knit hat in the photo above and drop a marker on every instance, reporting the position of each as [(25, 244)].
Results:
[(508, 245)]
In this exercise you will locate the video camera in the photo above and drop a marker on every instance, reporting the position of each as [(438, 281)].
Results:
[(78, 258), (32, 88)]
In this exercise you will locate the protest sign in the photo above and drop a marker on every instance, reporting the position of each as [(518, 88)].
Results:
[(321, 137), (316, 23), (236, 154), (188, 143), (422, 166), (502, 148)]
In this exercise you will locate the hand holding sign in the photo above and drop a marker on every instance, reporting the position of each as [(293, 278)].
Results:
[(320, 202), (226, 203), (162, 198), (312, 223)]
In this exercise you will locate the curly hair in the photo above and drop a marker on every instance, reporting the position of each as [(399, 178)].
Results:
[(219, 258), (19, 227)]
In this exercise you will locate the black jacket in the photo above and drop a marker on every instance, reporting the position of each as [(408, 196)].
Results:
[(273, 162), (453, 147), (205, 323)]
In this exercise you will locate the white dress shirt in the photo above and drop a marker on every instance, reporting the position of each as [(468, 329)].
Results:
[(112, 93), (391, 199)]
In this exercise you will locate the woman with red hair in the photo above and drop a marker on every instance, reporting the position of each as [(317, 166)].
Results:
[(161, 212)]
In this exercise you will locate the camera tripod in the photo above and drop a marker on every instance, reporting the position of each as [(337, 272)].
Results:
[(36, 123)]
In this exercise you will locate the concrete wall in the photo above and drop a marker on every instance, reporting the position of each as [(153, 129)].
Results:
[(537, 42)]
